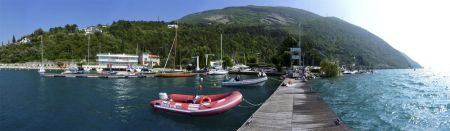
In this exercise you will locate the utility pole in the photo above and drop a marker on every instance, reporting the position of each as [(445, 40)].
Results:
[(299, 43)]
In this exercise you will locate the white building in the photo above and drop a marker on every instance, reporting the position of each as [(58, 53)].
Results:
[(24, 40), (172, 26), (149, 59), (91, 30), (117, 60)]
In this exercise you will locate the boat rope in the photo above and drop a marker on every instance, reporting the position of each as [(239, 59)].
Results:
[(251, 103)]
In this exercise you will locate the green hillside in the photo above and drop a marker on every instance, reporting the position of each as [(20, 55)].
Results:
[(65, 44), (322, 37)]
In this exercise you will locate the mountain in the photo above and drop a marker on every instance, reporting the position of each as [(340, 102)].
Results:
[(252, 34), (322, 37)]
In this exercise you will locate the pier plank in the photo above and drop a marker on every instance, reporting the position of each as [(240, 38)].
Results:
[(295, 107)]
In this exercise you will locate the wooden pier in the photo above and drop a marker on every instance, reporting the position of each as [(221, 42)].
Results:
[(95, 75), (294, 107)]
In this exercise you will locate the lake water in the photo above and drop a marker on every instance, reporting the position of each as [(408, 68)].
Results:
[(31, 102), (390, 99)]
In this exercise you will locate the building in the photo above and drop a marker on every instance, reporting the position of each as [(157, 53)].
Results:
[(25, 40), (148, 59), (91, 30), (172, 26), (117, 60)]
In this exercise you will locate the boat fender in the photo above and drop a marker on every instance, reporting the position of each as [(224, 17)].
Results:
[(208, 99), (195, 99)]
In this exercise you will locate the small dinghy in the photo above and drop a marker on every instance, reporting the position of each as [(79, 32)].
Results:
[(197, 105), (262, 78)]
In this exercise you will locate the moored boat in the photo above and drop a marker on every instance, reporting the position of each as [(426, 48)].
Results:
[(217, 72), (249, 82), (177, 74), (197, 105)]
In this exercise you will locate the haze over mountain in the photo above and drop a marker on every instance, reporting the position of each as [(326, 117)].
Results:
[(330, 36)]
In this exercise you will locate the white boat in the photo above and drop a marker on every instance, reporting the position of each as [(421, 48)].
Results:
[(99, 70), (41, 70), (249, 82), (217, 72), (349, 72), (72, 70)]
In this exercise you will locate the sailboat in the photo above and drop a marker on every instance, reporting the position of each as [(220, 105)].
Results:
[(219, 71), (41, 69), (176, 74)]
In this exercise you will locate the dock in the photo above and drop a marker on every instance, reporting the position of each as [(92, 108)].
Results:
[(294, 107), (96, 76)]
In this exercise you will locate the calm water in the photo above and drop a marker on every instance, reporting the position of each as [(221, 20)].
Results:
[(30, 102), (390, 99)]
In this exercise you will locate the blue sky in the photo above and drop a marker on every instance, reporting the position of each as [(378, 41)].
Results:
[(21, 17), (418, 28)]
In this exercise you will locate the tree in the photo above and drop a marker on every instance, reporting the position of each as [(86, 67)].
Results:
[(38, 32), (227, 62), (14, 39), (286, 58), (329, 68), (252, 59)]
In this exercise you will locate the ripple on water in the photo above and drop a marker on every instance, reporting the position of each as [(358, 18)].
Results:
[(390, 100)]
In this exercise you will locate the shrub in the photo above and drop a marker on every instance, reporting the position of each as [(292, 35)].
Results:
[(329, 68)]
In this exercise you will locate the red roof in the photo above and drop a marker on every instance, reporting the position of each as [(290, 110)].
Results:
[(153, 56)]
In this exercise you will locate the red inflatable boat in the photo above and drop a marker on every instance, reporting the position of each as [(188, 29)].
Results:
[(200, 105)]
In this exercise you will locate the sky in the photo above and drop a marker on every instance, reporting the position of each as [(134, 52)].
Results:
[(418, 28)]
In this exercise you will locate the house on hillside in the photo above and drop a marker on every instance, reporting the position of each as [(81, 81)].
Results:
[(24, 40), (172, 26), (91, 30)]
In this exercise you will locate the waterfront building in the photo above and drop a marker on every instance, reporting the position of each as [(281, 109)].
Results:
[(117, 60), (148, 59)]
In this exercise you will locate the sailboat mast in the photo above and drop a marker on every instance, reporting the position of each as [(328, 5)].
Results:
[(42, 52), (137, 48), (89, 39), (175, 47), (221, 53)]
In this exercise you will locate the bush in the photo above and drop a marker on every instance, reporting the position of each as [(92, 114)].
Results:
[(329, 68)]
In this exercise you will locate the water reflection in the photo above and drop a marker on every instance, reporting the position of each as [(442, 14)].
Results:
[(122, 89)]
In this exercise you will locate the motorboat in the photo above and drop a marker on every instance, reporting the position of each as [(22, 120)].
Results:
[(262, 78), (72, 70), (217, 72)]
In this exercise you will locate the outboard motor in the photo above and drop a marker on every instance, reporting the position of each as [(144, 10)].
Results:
[(163, 96)]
